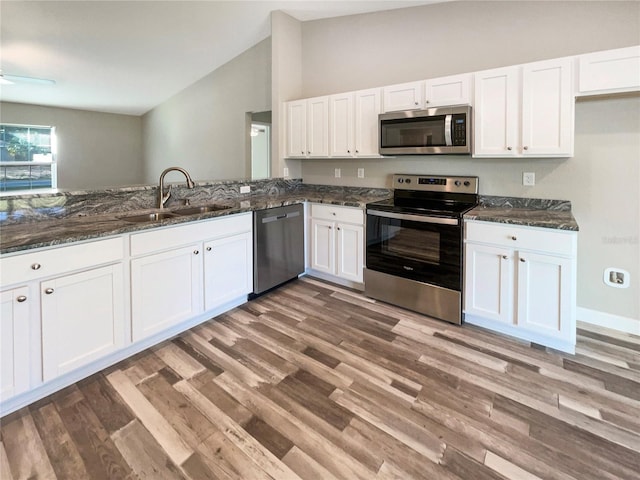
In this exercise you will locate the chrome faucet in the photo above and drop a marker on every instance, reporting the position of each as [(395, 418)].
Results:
[(163, 197)]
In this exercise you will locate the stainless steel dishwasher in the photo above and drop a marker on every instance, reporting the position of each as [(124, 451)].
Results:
[(278, 246)]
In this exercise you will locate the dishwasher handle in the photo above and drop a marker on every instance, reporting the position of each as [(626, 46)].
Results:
[(275, 218)]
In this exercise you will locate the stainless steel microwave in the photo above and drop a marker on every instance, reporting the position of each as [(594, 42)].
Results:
[(434, 131)]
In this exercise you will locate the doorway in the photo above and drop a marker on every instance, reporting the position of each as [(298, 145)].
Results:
[(260, 135)]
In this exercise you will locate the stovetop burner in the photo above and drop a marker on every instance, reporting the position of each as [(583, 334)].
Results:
[(431, 195)]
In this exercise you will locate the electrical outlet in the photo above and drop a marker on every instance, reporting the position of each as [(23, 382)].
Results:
[(528, 179), (361, 173), (337, 173), (245, 189), (286, 172)]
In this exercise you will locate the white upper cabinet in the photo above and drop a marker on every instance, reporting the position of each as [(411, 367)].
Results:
[(367, 108), (547, 109), (404, 96), (496, 112), (452, 90), (525, 110), (297, 128), (318, 127), (308, 128), (353, 123), (341, 121), (610, 71)]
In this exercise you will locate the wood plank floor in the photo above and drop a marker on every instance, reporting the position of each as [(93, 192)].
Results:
[(315, 381)]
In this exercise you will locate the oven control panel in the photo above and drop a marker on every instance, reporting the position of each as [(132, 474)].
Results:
[(436, 183)]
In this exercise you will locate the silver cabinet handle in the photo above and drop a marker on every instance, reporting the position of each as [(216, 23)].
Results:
[(48, 291), (196, 252), (514, 238), (21, 298), (36, 266), (522, 260), (208, 249)]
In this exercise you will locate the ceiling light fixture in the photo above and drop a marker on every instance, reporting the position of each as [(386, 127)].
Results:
[(13, 79)]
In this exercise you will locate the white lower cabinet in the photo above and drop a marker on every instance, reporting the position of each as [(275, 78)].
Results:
[(337, 242), (166, 289), (522, 281), (82, 318), (180, 272), (228, 269), (14, 342)]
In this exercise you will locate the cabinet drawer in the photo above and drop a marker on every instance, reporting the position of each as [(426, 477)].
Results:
[(338, 214), (172, 237), (53, 261), (561, 242)]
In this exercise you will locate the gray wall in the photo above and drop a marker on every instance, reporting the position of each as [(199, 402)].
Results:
[(94, 149), (370, 50), (204, 128), (351, 53)]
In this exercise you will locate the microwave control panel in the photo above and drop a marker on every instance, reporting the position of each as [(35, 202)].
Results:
[(459, 134)]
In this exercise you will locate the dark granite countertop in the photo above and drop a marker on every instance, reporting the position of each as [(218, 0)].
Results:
[(530, 212), (30, 234)]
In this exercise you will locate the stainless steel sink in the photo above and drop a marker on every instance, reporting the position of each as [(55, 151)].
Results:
[(148, 217), (199, 210)]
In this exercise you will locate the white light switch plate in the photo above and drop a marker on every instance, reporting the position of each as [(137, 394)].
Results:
[(337, 172), (245, 189), (286, 172), (361, 173)]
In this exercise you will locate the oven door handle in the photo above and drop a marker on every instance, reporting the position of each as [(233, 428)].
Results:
[(414, 218)]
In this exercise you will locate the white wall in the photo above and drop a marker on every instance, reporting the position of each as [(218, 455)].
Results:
[(204, 128), (94, 149), (602, 179)]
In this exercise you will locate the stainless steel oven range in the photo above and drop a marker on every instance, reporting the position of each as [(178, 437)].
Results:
[(414, 244)]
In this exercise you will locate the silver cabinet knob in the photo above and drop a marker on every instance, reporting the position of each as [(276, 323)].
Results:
[(505, 257), (348, 151), (330, 228), (525, 147), (427, 101), (196, 252), (302, 153), (333, 213), (357, 151), (21, 298), (208, 249), (36, 266), (416, 103), (509, 148), (514, 238), (338, 228), (48, 291), (522, 260)]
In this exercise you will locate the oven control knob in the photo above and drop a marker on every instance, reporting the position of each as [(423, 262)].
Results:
[(408, 180), (401, 180), (467, 183), (457, 183)]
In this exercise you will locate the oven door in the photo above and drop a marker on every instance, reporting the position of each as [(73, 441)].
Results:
[(423, 248)]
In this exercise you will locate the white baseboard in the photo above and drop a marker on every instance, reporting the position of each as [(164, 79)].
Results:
[(608, 320)]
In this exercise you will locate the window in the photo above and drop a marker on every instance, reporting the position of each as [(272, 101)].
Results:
[(27, 157)]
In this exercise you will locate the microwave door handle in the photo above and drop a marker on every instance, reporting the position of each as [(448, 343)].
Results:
[(447, 130)]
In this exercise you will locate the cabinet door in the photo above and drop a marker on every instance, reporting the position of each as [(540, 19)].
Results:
[(341, 124), (323, 246), (489, 282), (350, 251), (368, 104), (82, 319), (297, 128), (547, 108), (14, 342), (318, 127), (496, 113), (228, 269), (544, 295), (166, 289), (405, 96), (610, 71), (453, 90)]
